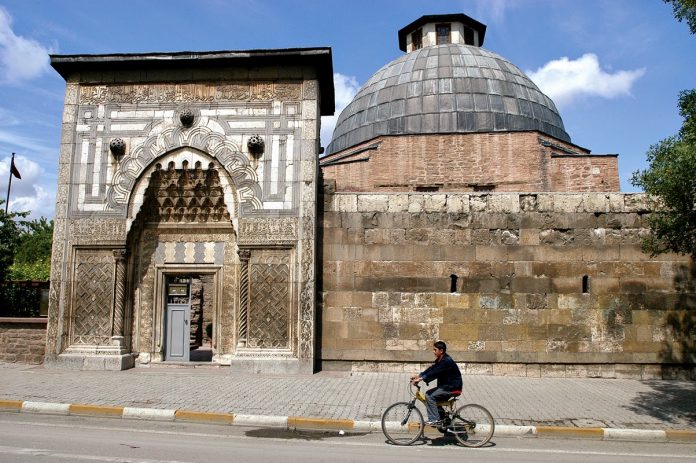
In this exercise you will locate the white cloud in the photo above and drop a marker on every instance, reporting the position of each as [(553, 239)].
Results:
[(20, 58), (345, 88), (563, 80), (27, 193), (493, 9)]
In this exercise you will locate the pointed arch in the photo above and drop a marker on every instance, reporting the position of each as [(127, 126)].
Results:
[(161, 142)]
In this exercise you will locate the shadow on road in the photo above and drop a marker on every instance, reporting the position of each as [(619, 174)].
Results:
[(669, 401), (277, 433)]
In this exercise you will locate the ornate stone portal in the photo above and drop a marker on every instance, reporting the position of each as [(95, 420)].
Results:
[(158, 187)]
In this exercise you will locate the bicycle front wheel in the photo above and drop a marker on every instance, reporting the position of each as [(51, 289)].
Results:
[(472, 425), (402, 423)]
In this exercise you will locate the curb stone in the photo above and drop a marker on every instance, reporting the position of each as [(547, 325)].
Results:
[(311, 423)]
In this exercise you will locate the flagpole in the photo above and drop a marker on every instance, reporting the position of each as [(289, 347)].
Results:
[(9, 185)]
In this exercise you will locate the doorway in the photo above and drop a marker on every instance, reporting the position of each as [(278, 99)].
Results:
[(189, 318)]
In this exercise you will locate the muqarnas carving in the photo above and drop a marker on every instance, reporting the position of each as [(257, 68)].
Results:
[(185, 195)]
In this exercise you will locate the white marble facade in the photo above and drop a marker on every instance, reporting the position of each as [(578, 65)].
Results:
[(157, 178)]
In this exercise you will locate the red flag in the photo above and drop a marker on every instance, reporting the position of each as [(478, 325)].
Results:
[(14, 170)]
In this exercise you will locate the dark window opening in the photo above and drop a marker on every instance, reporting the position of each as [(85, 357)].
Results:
[(453, 283), (427, 189), (484, 187), (417, 39), (585, 284), (443, 32), (468, 36)]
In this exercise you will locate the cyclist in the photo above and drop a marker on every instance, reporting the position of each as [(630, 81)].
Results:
[(449, 381)]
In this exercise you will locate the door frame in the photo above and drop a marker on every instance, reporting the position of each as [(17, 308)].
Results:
[(159, 307)]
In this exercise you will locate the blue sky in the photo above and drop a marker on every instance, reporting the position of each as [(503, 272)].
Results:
[(613, 67)]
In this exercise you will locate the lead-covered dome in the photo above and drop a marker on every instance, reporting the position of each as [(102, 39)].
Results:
[(451, 88)]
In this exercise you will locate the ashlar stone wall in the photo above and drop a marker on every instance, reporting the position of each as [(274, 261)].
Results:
[(524, 284)]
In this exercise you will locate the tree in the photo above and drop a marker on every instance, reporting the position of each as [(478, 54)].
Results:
[(33, 258), (684, 10), (670, 180), (10, 238)]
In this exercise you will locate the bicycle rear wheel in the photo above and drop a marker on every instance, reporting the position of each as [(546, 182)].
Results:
[(402, 423), (472, 425)]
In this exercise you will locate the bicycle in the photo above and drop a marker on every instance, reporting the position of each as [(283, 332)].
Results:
[(471, 424)]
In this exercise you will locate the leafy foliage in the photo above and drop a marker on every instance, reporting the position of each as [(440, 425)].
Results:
[(671, 180), (10, 238), (38, 270), (36, 241), (25, 246), (684, 10)]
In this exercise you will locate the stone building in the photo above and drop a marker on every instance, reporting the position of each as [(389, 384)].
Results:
[(451, 116), (452, 204), (456, 207), (188, 179)]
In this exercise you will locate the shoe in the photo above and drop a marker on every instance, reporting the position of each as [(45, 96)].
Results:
[(433, 423)]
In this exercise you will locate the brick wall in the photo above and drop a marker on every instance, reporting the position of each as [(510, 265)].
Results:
[(512, 161), (22, 340), (545, 284)]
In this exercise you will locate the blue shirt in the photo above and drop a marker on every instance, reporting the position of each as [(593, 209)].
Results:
[(446, 372)]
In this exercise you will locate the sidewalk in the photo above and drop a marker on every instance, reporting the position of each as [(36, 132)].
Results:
[(544, 404)]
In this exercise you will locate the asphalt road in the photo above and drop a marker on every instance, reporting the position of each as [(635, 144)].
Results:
[(43, 438)]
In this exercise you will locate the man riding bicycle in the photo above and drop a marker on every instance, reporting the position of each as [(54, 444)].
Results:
[(449, 381)]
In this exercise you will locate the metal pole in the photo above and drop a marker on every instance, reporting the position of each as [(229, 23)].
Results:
[(9, 185)]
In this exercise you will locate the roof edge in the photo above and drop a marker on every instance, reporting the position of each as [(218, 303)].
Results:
[(319, 58)]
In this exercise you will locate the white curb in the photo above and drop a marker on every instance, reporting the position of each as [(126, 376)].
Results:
[(511, 430), (261, 420), (367, 426), (634, 434), (46, 407), (148, 414)]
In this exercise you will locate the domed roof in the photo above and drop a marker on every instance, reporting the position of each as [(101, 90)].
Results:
[(452, 88)]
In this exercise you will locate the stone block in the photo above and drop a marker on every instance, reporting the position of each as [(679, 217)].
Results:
[(509, 369), (478, 369), (600, 253), (398, 203), (568, 202), (372, 203), (457, 204), (566, 285), (636, 202), (545, 202), (504, 202), (595, 202), (346, 202), (416, 203), (478, 202), (529, 237), (491, 253), (553, 371), (458, 301), (434, 202)]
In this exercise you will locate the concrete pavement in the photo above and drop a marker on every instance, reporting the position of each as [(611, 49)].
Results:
[(580, 407)]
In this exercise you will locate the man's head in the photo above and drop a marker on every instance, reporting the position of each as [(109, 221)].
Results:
[(439, 349)]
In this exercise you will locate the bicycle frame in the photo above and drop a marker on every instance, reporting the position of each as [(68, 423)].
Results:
[(471, 424)]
